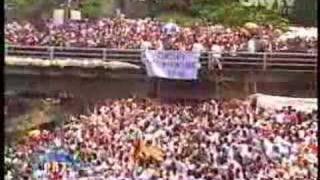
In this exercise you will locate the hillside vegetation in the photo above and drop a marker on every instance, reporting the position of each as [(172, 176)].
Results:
[(185, 12)]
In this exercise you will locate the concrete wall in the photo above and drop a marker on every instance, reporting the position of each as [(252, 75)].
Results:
[(118, 84)]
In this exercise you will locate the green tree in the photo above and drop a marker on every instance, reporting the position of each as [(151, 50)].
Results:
[(228, 12), (91, 8), (33, 9), (305, 12), (96, 8), (231, 12)]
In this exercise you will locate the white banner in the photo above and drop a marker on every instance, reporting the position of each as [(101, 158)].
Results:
[(75, 15), (58, 16), (277, 102), (172, 64)]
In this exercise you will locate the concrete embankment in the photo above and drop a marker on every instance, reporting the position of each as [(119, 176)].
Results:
[(83, 63), (248, 82)]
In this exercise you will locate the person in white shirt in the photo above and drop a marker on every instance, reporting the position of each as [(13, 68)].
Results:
[(197, 47), (268, 146), (39, 173), (145, 45), (280, 117), (9, 176), (217, 51), (252, 45), (57, 142), (159, 45)]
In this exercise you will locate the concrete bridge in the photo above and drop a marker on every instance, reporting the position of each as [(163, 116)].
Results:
[(252, 71)]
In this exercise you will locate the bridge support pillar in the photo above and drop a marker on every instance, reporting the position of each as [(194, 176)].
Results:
[(246, 87), (254, 84), (315, 84), (155, 88), (313, 88), (250, 84), (218, 84), (253, 78)]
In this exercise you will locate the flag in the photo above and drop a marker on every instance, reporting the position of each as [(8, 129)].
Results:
[(34, 133), (143, 152)]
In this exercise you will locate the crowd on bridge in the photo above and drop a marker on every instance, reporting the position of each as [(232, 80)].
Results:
[(208, 140), (123, 33)]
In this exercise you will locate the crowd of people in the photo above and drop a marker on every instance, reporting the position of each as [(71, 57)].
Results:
[(208, 140), (125, 33)]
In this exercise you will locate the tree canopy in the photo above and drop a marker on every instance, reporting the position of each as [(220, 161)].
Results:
[(228, 12)]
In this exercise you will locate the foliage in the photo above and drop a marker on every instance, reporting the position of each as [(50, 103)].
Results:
[(96, 8), (232, 13), (22, 3), (29, 9), (227, 12), (305, 12), (91, 8), (176, 5)]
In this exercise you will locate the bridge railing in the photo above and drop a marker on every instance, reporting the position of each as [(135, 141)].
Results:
[(306, 62)]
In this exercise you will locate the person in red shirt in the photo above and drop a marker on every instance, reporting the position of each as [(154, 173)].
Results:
[(292, 115)]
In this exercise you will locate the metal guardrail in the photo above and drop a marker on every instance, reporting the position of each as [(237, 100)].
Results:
[(261, 61)]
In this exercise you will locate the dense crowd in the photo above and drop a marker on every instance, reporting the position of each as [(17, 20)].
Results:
[(125, 33), (209, 140)]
